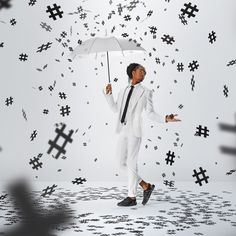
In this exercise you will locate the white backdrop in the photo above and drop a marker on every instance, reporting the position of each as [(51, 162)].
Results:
[(91, 153)]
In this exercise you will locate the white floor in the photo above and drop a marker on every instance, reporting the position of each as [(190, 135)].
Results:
[(185, 209)]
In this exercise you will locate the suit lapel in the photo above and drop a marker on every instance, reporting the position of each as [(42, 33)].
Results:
[(121, 98), (138, 94)]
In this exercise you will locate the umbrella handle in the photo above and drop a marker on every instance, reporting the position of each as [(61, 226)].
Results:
[(108, 68)]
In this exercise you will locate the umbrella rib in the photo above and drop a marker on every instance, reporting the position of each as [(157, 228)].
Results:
[(119, 45), (92, 44)]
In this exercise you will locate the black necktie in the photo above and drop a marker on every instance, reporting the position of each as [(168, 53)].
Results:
[(126, 104)]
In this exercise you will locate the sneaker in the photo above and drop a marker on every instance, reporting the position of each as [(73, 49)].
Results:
[(127, 202), (147, 193)]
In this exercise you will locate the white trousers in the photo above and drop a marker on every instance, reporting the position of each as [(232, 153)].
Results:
[(127, 156)]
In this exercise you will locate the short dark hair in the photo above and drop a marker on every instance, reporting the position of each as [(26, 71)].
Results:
[(131, 67)]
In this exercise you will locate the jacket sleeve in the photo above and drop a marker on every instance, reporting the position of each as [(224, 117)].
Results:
[(110, 100), (151, 114)]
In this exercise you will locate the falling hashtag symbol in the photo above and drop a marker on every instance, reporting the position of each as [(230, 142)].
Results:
[(32, 2), (212, 37), (60, 134), (33, 135), (170, 158), (35, 162), (23, 57), (193, 65), (9, 101), (78, 180), (202, 131), (189, 10), (48, 190), (46, 26), (65, 110), (44, 47), (225, 91), (200, 180), (168, 39), (169, 183), (54, 11)]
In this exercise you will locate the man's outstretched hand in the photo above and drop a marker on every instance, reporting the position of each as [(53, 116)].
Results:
[(108, 89), (171, 118)]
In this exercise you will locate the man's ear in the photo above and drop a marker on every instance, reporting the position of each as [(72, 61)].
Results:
[(133, 73)]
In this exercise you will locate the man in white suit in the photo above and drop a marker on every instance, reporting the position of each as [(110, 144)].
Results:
[(131, 101)]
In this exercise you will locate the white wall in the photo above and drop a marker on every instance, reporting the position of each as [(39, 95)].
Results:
[(89, 110)]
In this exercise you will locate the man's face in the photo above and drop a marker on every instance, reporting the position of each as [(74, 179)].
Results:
[(139, 74)]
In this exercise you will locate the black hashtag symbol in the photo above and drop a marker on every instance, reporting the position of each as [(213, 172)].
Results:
[(169, 183), (125, 35), (24, 114), (78, 180), (65, 110), (3, 196), (80, 9), (1, 44), (64, 44), (53, 144), (44, 47), (212, 37), (170, 158), (48, 190), (35, 162), (183, 20), (83, 15), (192, 82), (157, 60), (230, 172), (9, 101), (225, 91), (5, 4), (32, 2), (229, 128), (50, 88), (46, 27), (33, 135), (132, 5), (127, 17), (180, 67), (202, 172), (63, 34), (189, 10), (180, 106), (13, 21), (153, 29), (119, 8), (54, 11), (23, 57), (45, 111), (168, 39), (200, 131), (62, 95), (232, 62), (193, 65), (149, 13)]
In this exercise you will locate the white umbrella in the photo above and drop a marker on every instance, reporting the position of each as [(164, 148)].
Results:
[(98, 44)]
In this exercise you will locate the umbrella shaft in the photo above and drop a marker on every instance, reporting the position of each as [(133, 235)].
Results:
[(108, 68)]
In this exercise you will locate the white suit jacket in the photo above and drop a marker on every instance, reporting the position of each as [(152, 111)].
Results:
[(142, 101)]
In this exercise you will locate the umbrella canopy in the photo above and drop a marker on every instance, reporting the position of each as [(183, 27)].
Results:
[(98, 44)]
